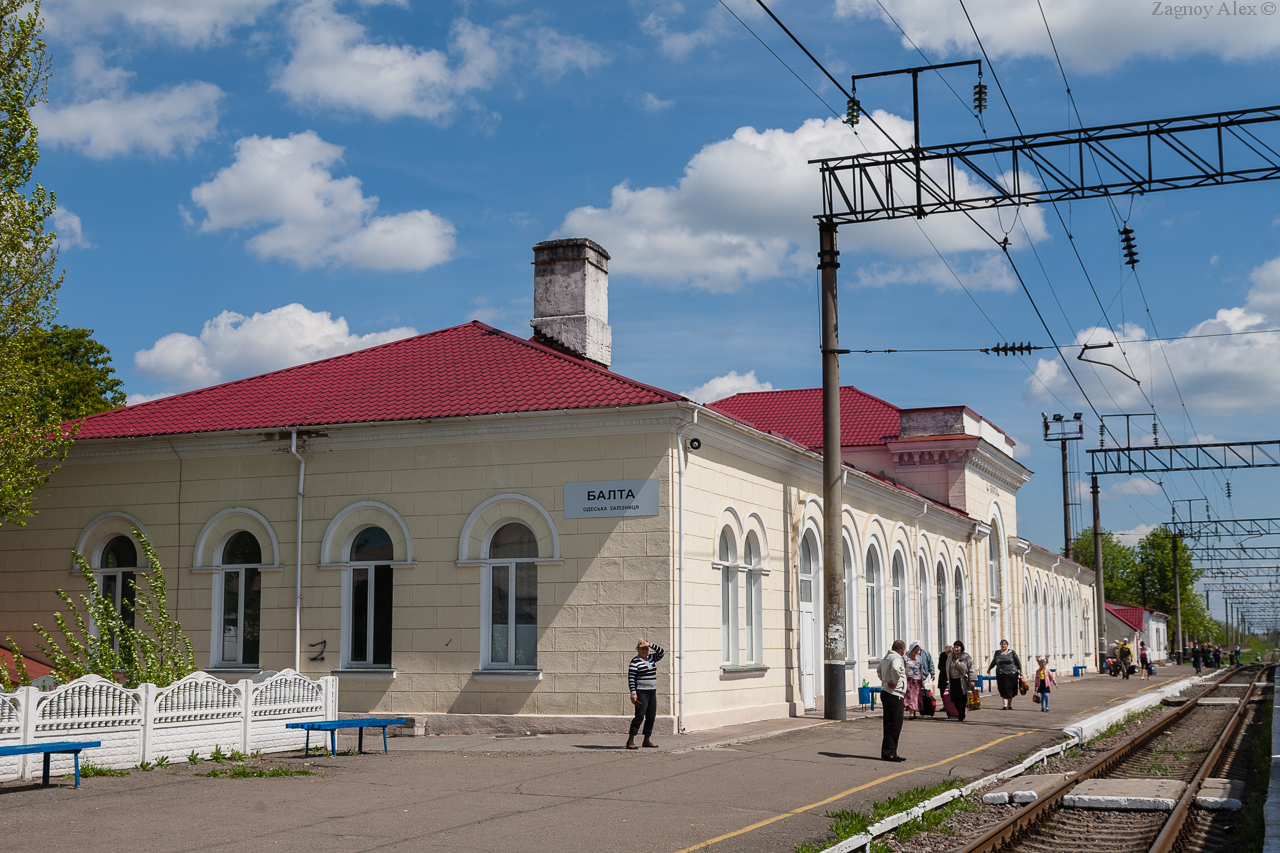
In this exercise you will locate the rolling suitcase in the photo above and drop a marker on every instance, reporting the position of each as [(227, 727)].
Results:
[(948, 704), (928, 705)]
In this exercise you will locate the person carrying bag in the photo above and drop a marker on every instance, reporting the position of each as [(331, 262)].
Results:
[(961, 679)]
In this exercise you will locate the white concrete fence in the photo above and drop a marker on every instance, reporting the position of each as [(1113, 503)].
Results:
[(198, 713)]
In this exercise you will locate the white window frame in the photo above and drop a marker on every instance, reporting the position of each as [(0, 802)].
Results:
[(850, 602), (957, 595), (100, 575), (898, 594), (995, 564), (741, 605), (941, 602), (219, 591), (349, 569), (875, 602), (923, 600), (486, 609)]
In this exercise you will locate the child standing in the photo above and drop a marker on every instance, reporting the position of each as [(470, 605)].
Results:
[(1043, 679)]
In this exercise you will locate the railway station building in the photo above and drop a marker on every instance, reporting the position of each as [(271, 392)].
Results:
[(473, 529)]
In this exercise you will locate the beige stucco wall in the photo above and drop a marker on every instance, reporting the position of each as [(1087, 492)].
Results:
[(613, 580)]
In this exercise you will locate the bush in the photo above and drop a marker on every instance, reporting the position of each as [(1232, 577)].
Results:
[(120, 651)]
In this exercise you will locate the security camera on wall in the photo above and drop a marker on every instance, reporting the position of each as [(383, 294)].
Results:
[(694, 444)]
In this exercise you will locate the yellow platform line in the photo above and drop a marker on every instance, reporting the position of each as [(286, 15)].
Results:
[(802, 809)]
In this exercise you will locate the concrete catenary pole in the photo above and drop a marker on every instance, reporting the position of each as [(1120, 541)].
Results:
[(1177, 591), (1099, 588), (834, 652)]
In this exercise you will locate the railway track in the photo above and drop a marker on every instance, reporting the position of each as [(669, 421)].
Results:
[(1196, 742)]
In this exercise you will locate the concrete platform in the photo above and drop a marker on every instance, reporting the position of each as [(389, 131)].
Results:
[(1024, 789), (1221, 794), (1145, 795)]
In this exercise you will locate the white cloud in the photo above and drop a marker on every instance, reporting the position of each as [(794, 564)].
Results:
[(316, 219), (135, 399), (677, 42), (189, 22), (556, 54), (1134, 535), (726, 386), (232, 346), (718, 228), (69, 230), (1222, 375), (651, 103), (1091, 35), (121, 122), (335, 64)]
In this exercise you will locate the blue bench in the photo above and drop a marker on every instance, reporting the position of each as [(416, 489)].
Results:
[(61, 747), (867, 696), (361, 723), (984, 683)]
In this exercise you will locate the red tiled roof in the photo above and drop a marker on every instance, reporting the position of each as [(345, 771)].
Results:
[(797, 415), (1129, 615), (472, 369), (35, 668)]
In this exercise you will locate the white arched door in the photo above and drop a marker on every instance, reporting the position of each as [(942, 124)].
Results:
[(810, 580)]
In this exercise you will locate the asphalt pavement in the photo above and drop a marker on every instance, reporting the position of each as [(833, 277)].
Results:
[(758, 787)]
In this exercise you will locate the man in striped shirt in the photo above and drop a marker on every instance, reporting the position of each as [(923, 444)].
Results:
[(642, 678)]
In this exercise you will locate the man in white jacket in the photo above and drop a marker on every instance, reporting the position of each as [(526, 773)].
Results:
[(893, 689)]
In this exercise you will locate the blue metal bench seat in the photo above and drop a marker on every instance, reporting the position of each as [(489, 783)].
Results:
[(361, 723), (61, 747)]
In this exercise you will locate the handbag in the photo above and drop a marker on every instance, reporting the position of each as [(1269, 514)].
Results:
[(975, 700), (1022, 686)]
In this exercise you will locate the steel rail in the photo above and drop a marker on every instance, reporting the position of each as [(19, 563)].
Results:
[(1009, 828), (1168, 836)]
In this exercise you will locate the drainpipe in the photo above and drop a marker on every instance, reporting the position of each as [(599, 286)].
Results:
[(297, 601), (680, 459)]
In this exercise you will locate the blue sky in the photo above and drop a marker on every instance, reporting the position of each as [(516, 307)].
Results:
[(246, 184)]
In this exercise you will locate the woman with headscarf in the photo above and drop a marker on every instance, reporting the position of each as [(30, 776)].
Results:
[(915, 678)]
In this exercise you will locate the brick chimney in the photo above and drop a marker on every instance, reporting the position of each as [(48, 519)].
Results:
[(571, 298)]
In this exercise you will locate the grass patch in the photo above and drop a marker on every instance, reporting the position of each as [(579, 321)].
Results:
[(848, 823), (88, 770), (241, 771), (194, 758), (1118, 727)]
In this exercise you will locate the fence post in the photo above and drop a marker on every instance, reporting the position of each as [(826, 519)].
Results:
[(27, 697), (330, 683), (148, 692), (245, 686)]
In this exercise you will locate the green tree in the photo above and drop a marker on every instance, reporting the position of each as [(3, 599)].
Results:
[(1120, 566), (77, 378), (28, 258)]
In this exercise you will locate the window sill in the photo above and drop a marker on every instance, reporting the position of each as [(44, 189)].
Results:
[(228, 672), (361, 672), (735, 671), (509, 675)]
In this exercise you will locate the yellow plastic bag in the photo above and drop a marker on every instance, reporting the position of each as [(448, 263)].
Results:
[(975, 700)]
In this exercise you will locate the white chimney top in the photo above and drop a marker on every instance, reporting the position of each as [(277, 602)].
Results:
[(571, 298)]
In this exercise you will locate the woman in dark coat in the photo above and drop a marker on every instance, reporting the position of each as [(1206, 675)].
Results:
[(1008, 670), (961, 676)]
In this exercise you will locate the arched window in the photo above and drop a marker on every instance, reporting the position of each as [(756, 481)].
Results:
[(875, 605), (239, 604), (752, 610), (993, 564), (1035, 612), (512, 595), (958, 589), (850, 604), (727, 557), (940, 590), (899, 597), (371, 596), (922, 602), (1027, 646), (116, 578)]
